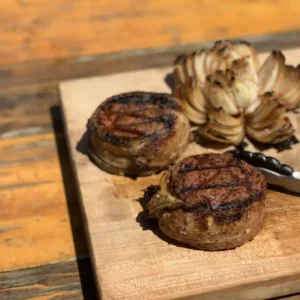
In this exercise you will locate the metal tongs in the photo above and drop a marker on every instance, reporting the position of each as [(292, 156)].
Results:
[(276, 173)]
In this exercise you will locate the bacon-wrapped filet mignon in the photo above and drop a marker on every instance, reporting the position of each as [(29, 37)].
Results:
[(210, 202), (138, 133)]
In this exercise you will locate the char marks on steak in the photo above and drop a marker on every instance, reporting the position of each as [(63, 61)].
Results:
[(136, 115), (216, 181), (210, 201), (138, 133)]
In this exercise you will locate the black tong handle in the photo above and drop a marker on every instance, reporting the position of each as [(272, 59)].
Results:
[(260, 160)]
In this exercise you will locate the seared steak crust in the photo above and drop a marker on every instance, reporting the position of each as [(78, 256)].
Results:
[(216, 182), (137, 133), (221, 201)]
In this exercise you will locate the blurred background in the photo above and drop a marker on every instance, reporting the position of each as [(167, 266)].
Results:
[(35, 29)]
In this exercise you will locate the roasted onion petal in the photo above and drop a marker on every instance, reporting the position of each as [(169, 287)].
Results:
[(219, 94), (217, 59), (279, 131), (274, 75), (272, 68), (269, 120), (211, 56), (267, 123), (238, 85), (193, 115), (193, 102), (189, 66), (288, 133), (179, 75), (223, 51), (288, 87), (244, 49), (225, 129), (199, 59), (269, 135), (222, 98), (290, 99), (252, 106), (226, 139), (268, 102), (245, 93), (292, 102), (284, 83), (223, 118), (194, 96), (243, 69), (267, 113)]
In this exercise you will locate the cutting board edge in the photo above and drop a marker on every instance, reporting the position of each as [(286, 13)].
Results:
[(86, 222), (78, 188)]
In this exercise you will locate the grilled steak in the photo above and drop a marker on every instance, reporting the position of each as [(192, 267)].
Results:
[(210, 201), (137, 133)]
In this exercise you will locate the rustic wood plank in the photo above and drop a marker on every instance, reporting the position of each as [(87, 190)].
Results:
[(29, 93), (55, 70), (138, 263), (65, 280), (26, 110), (40, 208), (39, 216), (60, 28)]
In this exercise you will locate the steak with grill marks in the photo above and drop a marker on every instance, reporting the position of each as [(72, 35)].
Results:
[(137, 133), (210, 201)]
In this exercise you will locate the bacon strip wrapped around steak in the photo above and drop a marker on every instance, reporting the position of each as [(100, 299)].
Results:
[(138, 133), (210, 202)]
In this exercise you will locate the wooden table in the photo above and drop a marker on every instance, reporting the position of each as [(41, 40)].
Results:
[(42, 242)]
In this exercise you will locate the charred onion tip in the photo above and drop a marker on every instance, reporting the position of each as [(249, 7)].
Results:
[(218, 83), (181, 59)]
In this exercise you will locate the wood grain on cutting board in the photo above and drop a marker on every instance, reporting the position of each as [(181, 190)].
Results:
[(134, 262)]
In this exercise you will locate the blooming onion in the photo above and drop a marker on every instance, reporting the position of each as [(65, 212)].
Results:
[(228, 94)]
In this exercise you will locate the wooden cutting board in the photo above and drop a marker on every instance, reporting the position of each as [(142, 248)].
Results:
[(132, 260)]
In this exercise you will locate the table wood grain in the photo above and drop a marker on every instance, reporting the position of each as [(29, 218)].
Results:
[(35, 29), (65, 280), (41, 230)]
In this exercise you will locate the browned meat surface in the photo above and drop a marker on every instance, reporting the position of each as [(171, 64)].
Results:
[(137, 133), (210, 201)]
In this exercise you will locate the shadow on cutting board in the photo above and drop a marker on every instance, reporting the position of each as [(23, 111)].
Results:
[(82, 145), (79, 237)]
